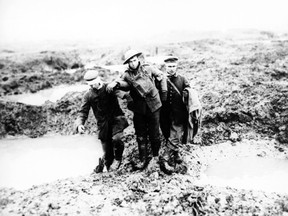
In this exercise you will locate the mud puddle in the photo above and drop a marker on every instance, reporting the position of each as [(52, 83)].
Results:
[(52, 94), (25, 162), (252, 173)]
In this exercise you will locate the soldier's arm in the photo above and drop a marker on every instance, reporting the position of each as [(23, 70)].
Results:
[(186, 86), (162, 80), (122, 84), (161, 77), (186, 83), (84, 111), (118, 84), (121, 94)]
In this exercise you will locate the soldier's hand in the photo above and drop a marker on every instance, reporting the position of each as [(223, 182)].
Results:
[(185, 96), (81, 129), (110, 87)]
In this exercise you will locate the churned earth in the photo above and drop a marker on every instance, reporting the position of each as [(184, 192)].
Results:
[(242, 84)]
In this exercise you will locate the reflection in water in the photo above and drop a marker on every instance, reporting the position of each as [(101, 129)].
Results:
[(52, 94), (26, 162), (255, 173)]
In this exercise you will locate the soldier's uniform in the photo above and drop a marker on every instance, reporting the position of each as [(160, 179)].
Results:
[(146, 105), (174, 117), (174, 113), (110, 121)]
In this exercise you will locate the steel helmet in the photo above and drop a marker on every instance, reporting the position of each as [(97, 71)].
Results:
[(129, 54)]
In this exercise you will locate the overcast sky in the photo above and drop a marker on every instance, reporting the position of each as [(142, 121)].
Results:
[(30, 20)]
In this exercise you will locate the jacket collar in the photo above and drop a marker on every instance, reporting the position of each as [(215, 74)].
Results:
[(173, 76)]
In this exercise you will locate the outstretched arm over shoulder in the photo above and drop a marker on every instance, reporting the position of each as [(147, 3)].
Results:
[(118, 84)]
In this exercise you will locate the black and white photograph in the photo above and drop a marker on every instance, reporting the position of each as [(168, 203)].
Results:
[(133, 107)]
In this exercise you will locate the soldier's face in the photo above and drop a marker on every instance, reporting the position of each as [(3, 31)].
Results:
[(171, 68), (133, 62), (97, 83)]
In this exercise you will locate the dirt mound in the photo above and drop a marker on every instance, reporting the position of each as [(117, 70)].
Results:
[(34, 72), (35, 121), (21, 119)]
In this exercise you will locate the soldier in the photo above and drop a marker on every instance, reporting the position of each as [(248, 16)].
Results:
[(174, 113), (139, 78), (110, 120)]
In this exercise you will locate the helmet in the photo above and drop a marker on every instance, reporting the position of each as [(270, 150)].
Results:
[(129, 54), (90, 76)]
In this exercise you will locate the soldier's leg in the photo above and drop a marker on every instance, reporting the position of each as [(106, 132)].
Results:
[(154, 131), (154, 136), (118, 148), (118, 145), (141, 134), (108, 154), (171, 155), (102, 161), (176, 133)]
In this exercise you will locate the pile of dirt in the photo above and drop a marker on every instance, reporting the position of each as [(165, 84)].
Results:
[(240, 94), (37, 71), (20, 119)]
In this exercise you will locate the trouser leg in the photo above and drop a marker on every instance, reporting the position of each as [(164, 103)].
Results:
[(143, 153), (108, 154), (141, 133), (154, 131), (176, 134), (118, 145), (142, 148)]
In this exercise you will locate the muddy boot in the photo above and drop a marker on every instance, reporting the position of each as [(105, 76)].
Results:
[(115, 165), (165, 166), (154, 164), (99, 168), (143, 155), (181, 168), (177, 157)]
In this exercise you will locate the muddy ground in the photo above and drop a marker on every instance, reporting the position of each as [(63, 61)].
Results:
[(242, 82)]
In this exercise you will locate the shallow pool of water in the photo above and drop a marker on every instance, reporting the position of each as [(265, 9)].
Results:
[(27, 162), (252, 173), (52, 94)]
